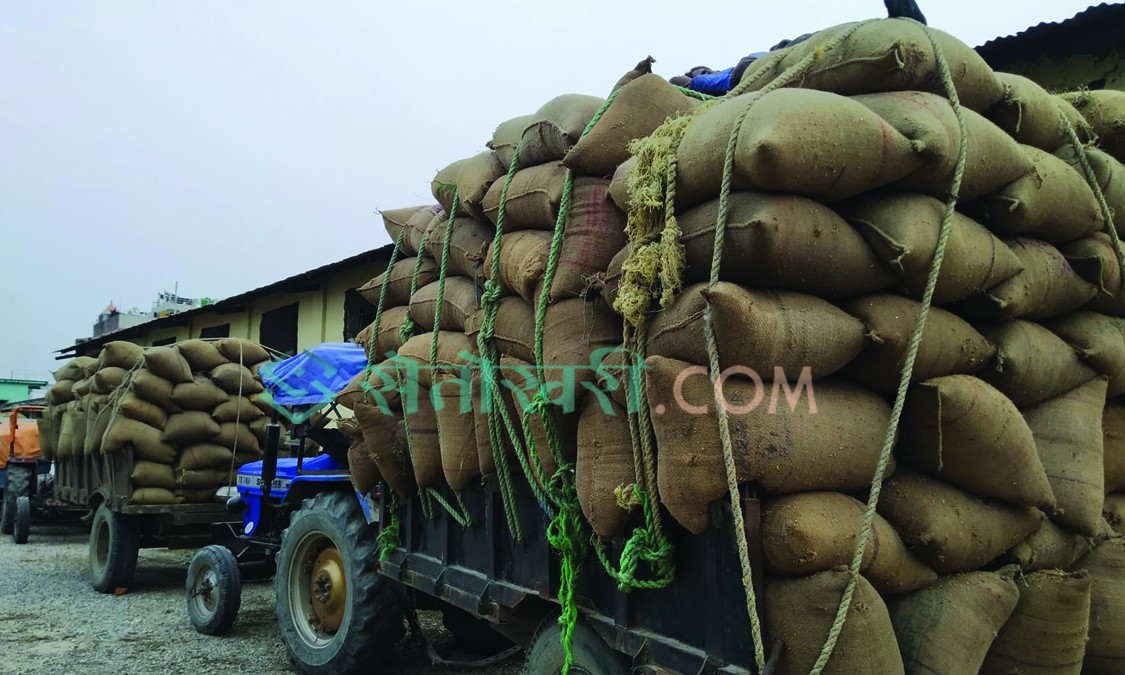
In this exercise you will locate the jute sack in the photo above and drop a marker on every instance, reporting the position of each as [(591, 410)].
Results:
[(381, 388), (1048, 548), (965, 431), (610, 282), (1069, 440), (469, 179), (481, 430), (815, 531), (1104, 109), (378, 431), (390, 333), (1046, 632), (455, 352), (67, 430), (1099, 341), (573, 331), (533, 198), (190, 426), (783, 445), (951, 530), (363, 337), (241, 351), (47, 442), (1053, 203), (1032, 364), (1105, 651), (782, 241), (363, 471), (467, 244), (604, 473), (514, 329), (83, 387), (204, 456), (903, 231), (595, 231), (413, 220), (506, 138), (155, 495), (1095, 261), (452, 397), (800, 613), (1110, 175), (154, 389), (118, 353), (152, 474), (1114, 512), (199, 394), (1046, 287), (202, 479), (643, 67), (458, 303), (638, 109), (855, 149), (397, 280), (167, 362), (948, 627), (757, 329), (61, 392), (992, 158), (236, 380), (136, 408), (1033, 116), (619, 184), (238, 409), (75, 369), (1113, 443), (888, 55), (147, 442), (107, 380), (523, 261), (422, 441), (949, 344), (238, 438), (97, 420), (201, 355), (555, 127)]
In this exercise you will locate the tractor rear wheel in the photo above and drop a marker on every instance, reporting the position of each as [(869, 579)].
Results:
[(19, 485)]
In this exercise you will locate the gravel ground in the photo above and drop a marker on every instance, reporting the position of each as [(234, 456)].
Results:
[(51, 621)]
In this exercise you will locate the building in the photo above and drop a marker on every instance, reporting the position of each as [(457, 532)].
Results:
[(19, 391), (112, 320), (317, 306), (1084, 52)]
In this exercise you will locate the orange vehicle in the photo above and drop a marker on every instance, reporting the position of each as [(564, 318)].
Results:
[(21, 463)]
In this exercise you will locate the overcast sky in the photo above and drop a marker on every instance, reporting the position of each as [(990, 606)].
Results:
[(227, 144)]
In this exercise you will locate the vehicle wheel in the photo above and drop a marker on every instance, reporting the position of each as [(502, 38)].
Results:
[(213, 590), (336, 613), (19, 485), (592, 656), (22, 527), (473, 633), (7, 514), (114, 542)]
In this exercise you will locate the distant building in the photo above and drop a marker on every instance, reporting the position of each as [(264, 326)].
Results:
[(1086, 51), (12, 390), (111, 320)]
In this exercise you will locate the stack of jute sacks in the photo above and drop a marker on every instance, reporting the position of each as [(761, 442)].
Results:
[(993, 545), (190, 412)]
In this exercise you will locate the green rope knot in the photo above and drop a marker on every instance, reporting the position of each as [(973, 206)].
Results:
[(388, 534)]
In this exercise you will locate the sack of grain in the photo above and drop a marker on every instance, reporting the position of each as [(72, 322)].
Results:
[(148, 442), (237, 409), (1105, 650), (1032, 115), (242, 351), (948, 627), (757, 329), (556, 127), (507, 137), (903, 230), (573, 331), (1114, 512), (398, 279), (83, 387), (154, 389), (459, 301), (470, 179), (1050, 547), (378, 431), (390, 336), (1046, 287), (965, 431), (1100, 343), (155, 495), (190, 426), (454, 354), (595, 231), (1095, 261), (205, 456), (237, 437), (951, 530), (949, 344), (61, 392), (236, 380), (605, 467), (467, 244), (107, 380), (619, 184), (136, 408), (201, 355), (120, 354), (1032, 364), (199, 394), (815, 531), (98, 412), (152, 474), (413, 220), (453, 410), (424, 445), (167, 362), (75, 369), (202, 479), (1113, 445), (1046, 632), (514, 329), (523, 262), (1110, 175), (1104, 109), (533, 198), (361, 467)]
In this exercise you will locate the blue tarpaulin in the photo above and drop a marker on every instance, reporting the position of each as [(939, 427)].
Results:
[(315, 375)]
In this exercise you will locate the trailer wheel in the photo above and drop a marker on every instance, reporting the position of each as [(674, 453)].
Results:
[(19, 485), (473, 633), (592, 656), (336, 613), (22, 527), (213, 590), (114, 542)]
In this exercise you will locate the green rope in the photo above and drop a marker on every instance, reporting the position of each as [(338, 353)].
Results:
[(907, 366), (644, 545), (691, 93), (383, 295), (442, 270), (407, 330), (388, 536), (462, 517)]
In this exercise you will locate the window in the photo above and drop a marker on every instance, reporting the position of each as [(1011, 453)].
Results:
[(220, 331), (358, 314), (164, 342), (278, 329)]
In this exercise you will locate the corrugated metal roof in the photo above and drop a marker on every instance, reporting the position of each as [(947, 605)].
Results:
[(1096, 30)]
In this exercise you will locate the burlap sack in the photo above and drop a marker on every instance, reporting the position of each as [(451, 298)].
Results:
[(992, 158), (467, 244), (453, 408), (117, 353), (204, 456), (202, 479), (533, 198), (573, 331), (610, 282), (1053, 203), (147, 442), (152, 474), (638, 109), (643, 67), (482, 433), (782, 241), (514, 329), (759, 330), (155, 495), (604, 472), (238, 409), (47, 438), (242, 351), (236, 380), (1104, 109), (555, 127), (458, 303), (136, 408), (815, 531), (201, 355), (97, 420), (1046, 287), (1033, 116), (773, 151), (238, 438), (75, 369), (523, 261), (1110, 175), (61, 392), (1047, 631), (199, 394), (800, 613), (424, 445), (397, 220), (1100, 343), (190, 426), (1048, 548), (836, 448), (903, 231), (455, 352), (167, 363), (951, 530), (595, 231), (1114, 512), (83, 387), (1032, 364), (470, 179), (1105, 650), (154, 389), (948, 627), (107, 380), (949, 344), (507, 137), (362, 468), (381, 388), (1113, 445), (619, 184), (390, 334), (1095, 261), (378, 431), (398, 280), (965, 431)]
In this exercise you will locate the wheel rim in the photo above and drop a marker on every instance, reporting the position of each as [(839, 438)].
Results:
[(318, 590), (204, 590), (101, 545)]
